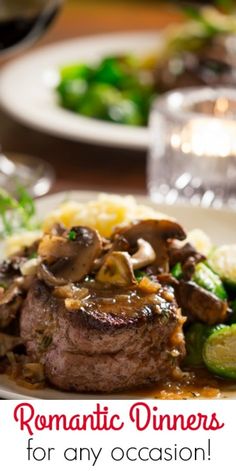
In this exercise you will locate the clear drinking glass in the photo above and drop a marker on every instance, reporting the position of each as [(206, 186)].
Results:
[(192, 157), (22, 22)]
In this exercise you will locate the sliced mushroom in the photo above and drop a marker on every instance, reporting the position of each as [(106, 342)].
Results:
[(187, 255), (144, 256), (69, 258), (10, 302), (45, 273), (30, 267), (157, 233), (8, 343), (199, 304), (117, 270)]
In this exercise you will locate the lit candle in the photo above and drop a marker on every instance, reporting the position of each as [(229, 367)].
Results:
[(193, 147), (208, 137)]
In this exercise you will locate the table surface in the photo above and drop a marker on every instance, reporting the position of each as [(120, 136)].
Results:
[(78, 165)]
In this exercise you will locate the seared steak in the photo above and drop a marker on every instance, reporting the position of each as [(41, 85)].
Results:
[(117, 338)]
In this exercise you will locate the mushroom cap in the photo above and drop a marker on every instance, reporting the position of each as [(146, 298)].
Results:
[(69, 257), (156, 232)]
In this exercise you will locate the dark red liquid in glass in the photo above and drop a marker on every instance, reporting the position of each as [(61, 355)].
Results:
[(24, 27)]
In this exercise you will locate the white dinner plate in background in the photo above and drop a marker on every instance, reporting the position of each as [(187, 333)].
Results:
[(26, 89)]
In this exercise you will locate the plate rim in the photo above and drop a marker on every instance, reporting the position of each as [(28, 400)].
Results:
[(55, 199)]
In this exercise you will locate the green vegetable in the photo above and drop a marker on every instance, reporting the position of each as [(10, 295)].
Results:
[(16, 213), (139, 275), (208, 280), (8, 205), (195, 338), (177, 271), (219, 352), (76, 71), (72, 235), (222, 260), (33, 255), (125, 112), (210, 28), (97, 101), (26, 203), (113, 91), (71, 92), (142, 97), (204, 25), (117, 71)]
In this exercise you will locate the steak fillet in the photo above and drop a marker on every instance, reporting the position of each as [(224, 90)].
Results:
[(115, 341)]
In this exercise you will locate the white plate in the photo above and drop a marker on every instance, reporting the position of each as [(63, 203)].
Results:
[(26, 89), (219, 225)]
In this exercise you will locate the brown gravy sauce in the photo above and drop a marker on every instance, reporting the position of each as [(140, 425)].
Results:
[(200, 385)]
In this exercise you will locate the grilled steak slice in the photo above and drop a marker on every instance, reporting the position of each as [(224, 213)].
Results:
[(117, 339)]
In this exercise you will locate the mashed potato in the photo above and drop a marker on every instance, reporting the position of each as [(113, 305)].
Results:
[(103, 214), (20, 240)]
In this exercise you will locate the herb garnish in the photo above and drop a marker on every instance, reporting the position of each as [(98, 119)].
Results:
[(72, 235), (16, 212), (139, 275)]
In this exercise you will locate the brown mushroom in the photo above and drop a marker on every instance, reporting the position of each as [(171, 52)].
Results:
[(157, 233), (69, 258), (46, 273), (8, 343), (144, 256), (118, 267), (117, 270), (199, 304), (187, 255), (10, 302)]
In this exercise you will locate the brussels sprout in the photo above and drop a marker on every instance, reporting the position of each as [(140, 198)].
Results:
[(116, 71), (219, 352), (125, 112), (71, 92), (76, 71), (114, 90), (208, 280), (97, 100), (142, 96), (222, 261), (195, 338)]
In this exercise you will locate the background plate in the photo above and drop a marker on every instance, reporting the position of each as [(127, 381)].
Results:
[(26, 89), (219, 225)]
